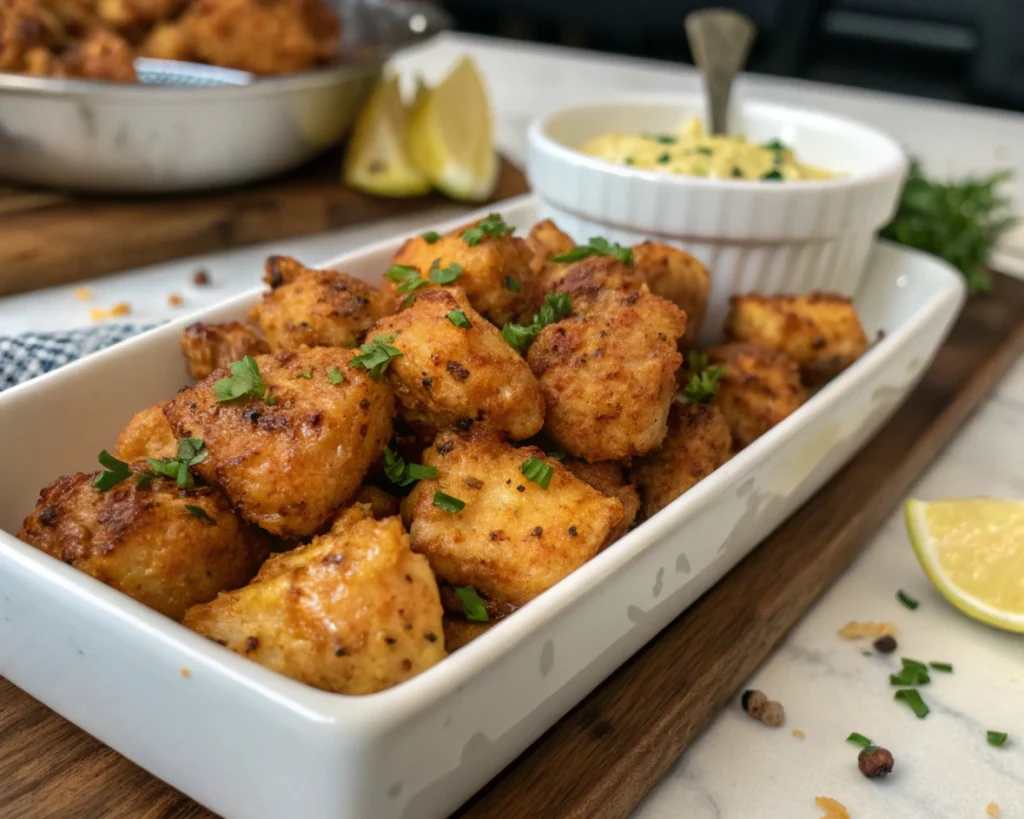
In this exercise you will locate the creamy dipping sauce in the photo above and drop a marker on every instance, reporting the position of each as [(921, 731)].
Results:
[(693, 152)]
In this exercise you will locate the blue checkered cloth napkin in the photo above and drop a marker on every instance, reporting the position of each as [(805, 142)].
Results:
[(29, 355)]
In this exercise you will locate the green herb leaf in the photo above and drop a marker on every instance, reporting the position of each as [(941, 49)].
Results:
[(574, 255), (376, 356), (557, 454), (114, 472), (407, 278), (448, 503), (244, 380), (772, 176), (335, 376), (702, 386), (445, 275), (493, 226), (913, 699), (519, 336), (200, 513), (910, 676), (908, 601), (537, 471), (597, 246), (458, 318), (472, 605), (705, 150), (997, 738), (737, 172), (915, 665), (401, 473), (307, 374), (775, 145), (431, 236), (556, 306), (860, 739), (513, 284), (664, 159), (629, 161), (270, 400), (947, 667), (408, 301), (663, 139), (191, 451)]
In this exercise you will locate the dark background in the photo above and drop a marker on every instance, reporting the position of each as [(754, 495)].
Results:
[(963, 50)]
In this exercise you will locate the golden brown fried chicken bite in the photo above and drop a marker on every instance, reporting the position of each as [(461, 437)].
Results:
[(135, 15), (459, 631), (513, 538), (208, 347), (698, 442), (459, 373), (380, 504), (608, 478), (167, 41), (148, 435), (546, 239), (316, 308), (495, 271), (262, 36), (677, 276), (820, 331), (590, 277), (760, 387), (26, 28), (101, 55), (167, 547), (353, 612), (289, 464), (608, 374)]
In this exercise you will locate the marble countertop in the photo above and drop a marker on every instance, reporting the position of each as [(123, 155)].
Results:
[(739, 768)]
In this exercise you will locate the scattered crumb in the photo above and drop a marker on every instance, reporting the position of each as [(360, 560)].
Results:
[(83, 294), (832, 808), (798, 733), (186, 673), (992, 809), (175, 300), (854, 630), (201, 278), (100, 314)]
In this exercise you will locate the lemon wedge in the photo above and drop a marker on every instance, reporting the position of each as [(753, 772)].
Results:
[(450, 135), (973, 551), (378, 160)]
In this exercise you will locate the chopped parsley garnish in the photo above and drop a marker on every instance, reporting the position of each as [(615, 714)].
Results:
[(445, 275), (629, 161), (997, 738), (376, 356), (335, 376), (244, 380), (401, 473), (200, 513), (663, 139), (860, 739), (472, 605), (191, 451), (307, 374), (270, 400), (448, 503), (737, 172), (913, 699), (705, 150), (775, 145), (910, 676), (114, 472), (597, 246), (772, 176), (458, 318), (407, 278), (431, 236), (493, 226), (947, 667), (557, 454), (408, 301), (513, 284), (519, 336), (537, 471), (704, 378), (907, 600), (664, 158)]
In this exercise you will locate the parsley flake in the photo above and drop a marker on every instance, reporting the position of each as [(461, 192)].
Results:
[(114, 472), (307, 374), (513, 284), (537, 471), (945, 667), (407, 278), (445, 275), (996, 738), (597, 246), (629, 161), (913, 699), (191, 451), (458, 318), (244, 380), (662, 139), (448, 503), (704, 378), (772, 176), (472, 605), (556, 306), (775, 145), (376, 356), (519, 336), (493, 226), (664, 158), (200, 513), (908, 601), (860, 739), (335, 376), (401, 473), (270, 400), (408, 301), (431, 236), (705, 150)]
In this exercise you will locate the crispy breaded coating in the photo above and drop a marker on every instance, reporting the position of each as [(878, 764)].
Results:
[(316, 308), (381, 504), (208, 347), (513, 539), (450, 375), (546, 239), (101, 55), (25, 27), (289, 465), (262, 36), (820, 331), (677, 276), (459, 632), (144, 541), (608, 374), (608, 478), (148, 435), (353, 612), (134, 15), (760, 388), (698, 442), (167, 41), (588, 278), (484, 270)]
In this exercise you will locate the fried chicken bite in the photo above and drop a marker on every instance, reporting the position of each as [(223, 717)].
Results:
[(262, 36), (455, 375), (607, 373), (495, 271), (167, 41), (677, 276), (587, 279), (379, 503), (101, 55), (135, 15), (698, 442), (608, 478), (513, 538), (209, 347), (287, 465), (148, 435), (760, 387), (28, 32), (546, 239), (820, 331), (167, 547), (459, 632), (316, 308), (353, 612)]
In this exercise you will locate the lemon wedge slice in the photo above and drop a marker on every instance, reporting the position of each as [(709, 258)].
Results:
[(973, 551), (450, 135), (378, 160)]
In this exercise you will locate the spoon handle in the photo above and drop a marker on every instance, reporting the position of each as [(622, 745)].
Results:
[(720, 40)]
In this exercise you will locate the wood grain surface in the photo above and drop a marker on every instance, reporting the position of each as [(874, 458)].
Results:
[(602, 757), (49, 238)]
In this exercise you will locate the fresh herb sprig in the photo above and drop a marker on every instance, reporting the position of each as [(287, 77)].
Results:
[(376, 356), (401, 473), (597, 246), (704, 378), (114, 471), (520, 336), (493, 226), (472, 604), (191, 451), (245, 379)]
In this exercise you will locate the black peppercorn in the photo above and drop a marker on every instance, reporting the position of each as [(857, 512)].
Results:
[(875, 762), (886, 644)]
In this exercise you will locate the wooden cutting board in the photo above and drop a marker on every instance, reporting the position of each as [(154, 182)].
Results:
[(602, 757), (49, 238)]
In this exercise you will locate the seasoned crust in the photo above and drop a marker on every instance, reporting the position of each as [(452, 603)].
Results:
[(459, 632), (144, 542), (677, 276), (101, 55), (353, 612), (591, 278), (208, 347), (608, 478), (148, 435)]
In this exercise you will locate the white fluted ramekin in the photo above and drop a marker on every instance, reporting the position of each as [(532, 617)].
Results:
[(752, 235)]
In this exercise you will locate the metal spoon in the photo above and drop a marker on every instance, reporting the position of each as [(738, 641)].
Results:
[(720, 40)]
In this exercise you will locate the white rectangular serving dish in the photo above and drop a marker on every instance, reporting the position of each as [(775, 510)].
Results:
[(251, 744)]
